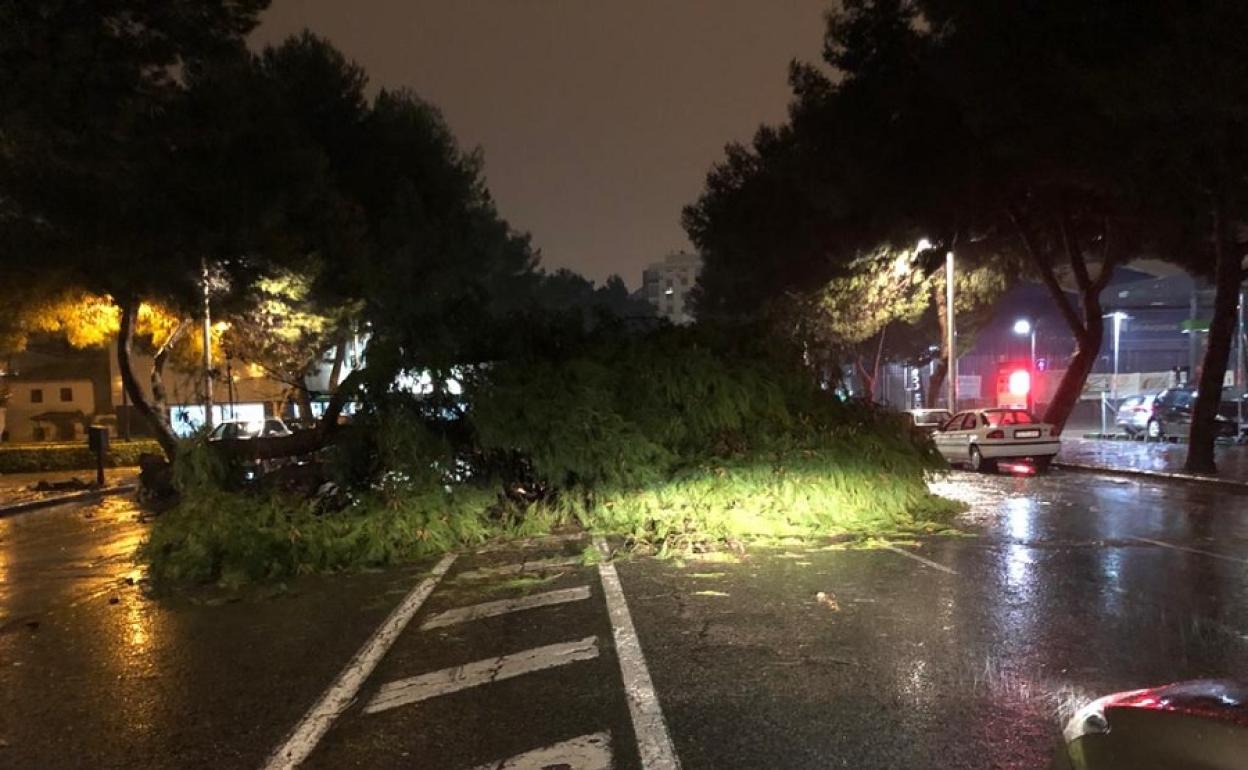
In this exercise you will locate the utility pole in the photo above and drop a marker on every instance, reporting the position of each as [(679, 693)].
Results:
[(208, 421), (1240, 373), (951, 377)]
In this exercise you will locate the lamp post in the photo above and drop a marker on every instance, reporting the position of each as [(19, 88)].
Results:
[(1118, 317), (1026, 327), (951, 376)]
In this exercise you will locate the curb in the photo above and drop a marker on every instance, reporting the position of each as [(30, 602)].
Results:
[(49, 502), (1190, 478)]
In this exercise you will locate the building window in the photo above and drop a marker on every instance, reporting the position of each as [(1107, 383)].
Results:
[(67, 394), (36, 395)]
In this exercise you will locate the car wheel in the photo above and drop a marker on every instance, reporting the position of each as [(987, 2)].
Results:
[(979, 462), (1154, 429), (1042, 464)]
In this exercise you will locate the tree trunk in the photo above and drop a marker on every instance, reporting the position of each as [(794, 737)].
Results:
[(936, 382), (1229, 276), (159, 397), (335, 371), (305, 404), (1081, 363), (157, 418), (1089, 331)]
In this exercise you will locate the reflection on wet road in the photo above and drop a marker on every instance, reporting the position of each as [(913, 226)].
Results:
[(95, 674), (1071, 586)]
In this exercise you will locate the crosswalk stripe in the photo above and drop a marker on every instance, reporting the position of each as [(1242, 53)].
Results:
[(494, 609), (919, 559), (1175, 547), (414, 689), (588, 752), (305, 735), (536, 565), (654, 743)]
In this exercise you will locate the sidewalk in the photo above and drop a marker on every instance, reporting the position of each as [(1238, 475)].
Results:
[(16, 488), (1151, 458)]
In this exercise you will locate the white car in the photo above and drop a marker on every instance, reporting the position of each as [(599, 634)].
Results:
[(984, 438)]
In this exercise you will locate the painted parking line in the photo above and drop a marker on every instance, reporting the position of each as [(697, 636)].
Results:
[(588, 752), (654, 743), (304, 737), (920, 559), (403, 692), (494, 609), (536, 565), (1174, 547)]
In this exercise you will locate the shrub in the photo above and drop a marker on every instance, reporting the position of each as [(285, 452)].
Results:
[(38, 458)]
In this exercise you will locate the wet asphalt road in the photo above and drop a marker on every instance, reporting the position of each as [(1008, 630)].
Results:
[(1068, 586)]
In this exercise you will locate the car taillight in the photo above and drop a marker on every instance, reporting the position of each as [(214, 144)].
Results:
[(996, 434)]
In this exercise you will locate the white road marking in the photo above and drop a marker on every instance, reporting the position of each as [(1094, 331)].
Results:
[(920, 559), (494, 609), (588, 752), (653, 741), (304, 737), (536, 565), (402, 692), (1210, 554)]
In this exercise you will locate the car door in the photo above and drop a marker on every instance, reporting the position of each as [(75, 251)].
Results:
[(946, 436)]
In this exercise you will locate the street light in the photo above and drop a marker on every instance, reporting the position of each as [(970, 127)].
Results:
[(1024, 327), (951, 377), (1118, 316)]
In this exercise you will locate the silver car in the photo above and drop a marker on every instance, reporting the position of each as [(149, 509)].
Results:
[(1134, 414)]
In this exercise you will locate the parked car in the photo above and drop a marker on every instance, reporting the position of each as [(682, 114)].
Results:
[(1198, 724), (984, 438), (1134, 413), (1170, 414), (249, 470), (928, 420), (247, 429)]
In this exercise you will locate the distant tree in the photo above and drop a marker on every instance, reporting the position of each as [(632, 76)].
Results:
[(128, 161)]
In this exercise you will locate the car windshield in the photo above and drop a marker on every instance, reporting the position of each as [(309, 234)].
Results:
[(1009, 417), (931, 418)]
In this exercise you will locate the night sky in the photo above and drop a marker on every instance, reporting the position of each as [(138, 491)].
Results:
[(599, 118)]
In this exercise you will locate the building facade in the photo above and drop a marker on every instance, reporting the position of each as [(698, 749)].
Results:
[(666, 285)]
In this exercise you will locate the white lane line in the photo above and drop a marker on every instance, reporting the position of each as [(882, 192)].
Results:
[(536, 565), (588, 752), (494, 609), (403, 692), (304, 737), (653, 741), (1210, 554), (920, 559)]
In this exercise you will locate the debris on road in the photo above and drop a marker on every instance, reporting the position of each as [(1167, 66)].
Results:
[(828, 600)]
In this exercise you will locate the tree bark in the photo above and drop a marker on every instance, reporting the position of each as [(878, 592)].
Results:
[(157, 418), (1229, 276)]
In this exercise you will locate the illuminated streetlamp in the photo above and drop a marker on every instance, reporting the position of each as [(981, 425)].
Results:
[(1026, 328)]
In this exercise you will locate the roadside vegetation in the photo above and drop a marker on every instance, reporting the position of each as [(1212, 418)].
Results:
[(38, 458), (676, 441)]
